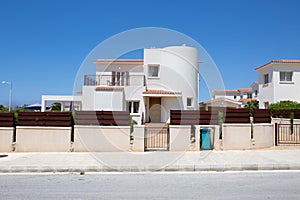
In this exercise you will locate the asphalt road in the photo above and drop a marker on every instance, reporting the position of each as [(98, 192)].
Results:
[(219, 185)]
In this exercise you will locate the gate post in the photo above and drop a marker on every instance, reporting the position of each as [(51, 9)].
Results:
[(276, 134)]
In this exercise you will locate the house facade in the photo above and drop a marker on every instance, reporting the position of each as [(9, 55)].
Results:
[(167, 78), (279, 80)]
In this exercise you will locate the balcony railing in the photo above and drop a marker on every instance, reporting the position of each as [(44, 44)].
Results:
[(110, 80)]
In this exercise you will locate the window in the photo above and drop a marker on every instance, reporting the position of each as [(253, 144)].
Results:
[(119, 78), (153, 71), (234, 97), (249, 95), (256, 93), (133, 106), (266, 78), (189, 102), (286, 76)]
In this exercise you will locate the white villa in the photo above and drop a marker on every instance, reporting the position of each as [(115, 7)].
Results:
[(167, 78), (279, 80)]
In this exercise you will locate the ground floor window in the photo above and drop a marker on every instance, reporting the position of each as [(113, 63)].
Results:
[(133, 106)]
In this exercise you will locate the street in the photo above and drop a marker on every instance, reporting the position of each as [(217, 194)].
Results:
[(213, 185)]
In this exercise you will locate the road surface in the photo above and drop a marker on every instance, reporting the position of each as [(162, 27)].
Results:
[(219, 185)]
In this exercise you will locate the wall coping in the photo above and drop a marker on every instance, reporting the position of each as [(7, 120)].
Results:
[(239, 125), (6, 128), (101, 127), (44, 127)]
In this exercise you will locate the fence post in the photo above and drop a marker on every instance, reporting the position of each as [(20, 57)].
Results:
[(276, 134)]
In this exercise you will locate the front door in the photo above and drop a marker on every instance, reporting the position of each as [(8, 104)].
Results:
[(155, 110)]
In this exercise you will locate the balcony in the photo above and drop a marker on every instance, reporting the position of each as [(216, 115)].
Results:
[(114, 80)]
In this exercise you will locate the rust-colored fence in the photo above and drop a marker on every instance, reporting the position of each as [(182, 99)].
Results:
[(194, 117), (58, 119), (286, 113), (102, 118), (261, 116), (7, 120), (236, 116)]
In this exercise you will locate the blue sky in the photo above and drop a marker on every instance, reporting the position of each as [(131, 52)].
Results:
[(43, 43)]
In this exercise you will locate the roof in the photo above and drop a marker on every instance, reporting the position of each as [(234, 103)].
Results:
[(160, 92), (107, 88), (247, 100), (224, 91), (245, 90), (222, 99), (119, 60), (277, 61)]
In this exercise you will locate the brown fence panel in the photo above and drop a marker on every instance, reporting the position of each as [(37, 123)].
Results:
[(286, 113), (237, 116), (194, 117), (103, 118), (6, 120), (60, 119), (261, 116)]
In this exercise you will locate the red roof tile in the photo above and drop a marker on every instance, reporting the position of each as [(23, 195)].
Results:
[(245, 90), (107, 88), (160, 92), (278, 61)]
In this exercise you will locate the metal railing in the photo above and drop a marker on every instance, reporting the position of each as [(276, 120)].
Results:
[(110, 80), (288, 134)]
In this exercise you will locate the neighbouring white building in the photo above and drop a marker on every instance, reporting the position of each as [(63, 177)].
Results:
[(279, 80), (167, 78), (229, 98)]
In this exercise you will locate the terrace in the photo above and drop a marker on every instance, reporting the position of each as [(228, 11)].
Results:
[(117, 79)]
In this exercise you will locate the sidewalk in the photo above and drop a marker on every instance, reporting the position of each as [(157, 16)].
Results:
[(151, 161)]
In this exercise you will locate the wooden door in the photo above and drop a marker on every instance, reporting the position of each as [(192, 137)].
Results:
[(155, 110)]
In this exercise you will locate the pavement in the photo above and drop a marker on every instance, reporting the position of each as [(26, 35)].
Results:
[(239, 160)]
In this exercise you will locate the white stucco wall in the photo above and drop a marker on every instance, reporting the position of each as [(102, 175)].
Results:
[(43, 139), (101, 138), (180, 138), (139, 138), (263, 136), (88, 97), (276, 91), (6, 139), (236, 136), (109, 100), (167, 104), (178, 71)]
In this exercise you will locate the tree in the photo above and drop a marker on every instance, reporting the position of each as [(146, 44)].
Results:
[(252, 105), (56, 107), (285, 105)]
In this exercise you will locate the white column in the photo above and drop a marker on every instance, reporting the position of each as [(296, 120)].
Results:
[(43, 104)]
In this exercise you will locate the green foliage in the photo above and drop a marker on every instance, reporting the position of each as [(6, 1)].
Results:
[(252, 105), (285, 105), (3, 108), (56, 107)]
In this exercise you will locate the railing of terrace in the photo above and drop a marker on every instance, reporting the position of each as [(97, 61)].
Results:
[(123, 79)]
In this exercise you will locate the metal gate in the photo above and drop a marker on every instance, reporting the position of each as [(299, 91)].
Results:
[(156, 138), (287, 134)]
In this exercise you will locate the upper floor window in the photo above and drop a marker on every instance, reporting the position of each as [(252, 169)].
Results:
[(189, 102), (249, 95), (119, 78), (266, 78), (153, 71), (286, 76)]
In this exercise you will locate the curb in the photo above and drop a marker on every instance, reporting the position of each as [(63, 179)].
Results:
[(173, 168)]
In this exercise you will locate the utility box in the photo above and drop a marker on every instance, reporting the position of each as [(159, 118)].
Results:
[(205, 143)]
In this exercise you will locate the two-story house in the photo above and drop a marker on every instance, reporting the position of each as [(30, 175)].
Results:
[(167, 78), (279, 80)]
